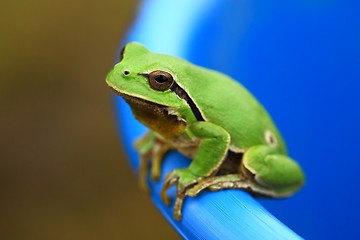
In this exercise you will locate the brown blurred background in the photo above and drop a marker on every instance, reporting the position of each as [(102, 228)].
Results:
[(63, 174)]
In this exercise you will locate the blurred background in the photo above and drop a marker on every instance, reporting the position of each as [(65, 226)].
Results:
[(63, 174)]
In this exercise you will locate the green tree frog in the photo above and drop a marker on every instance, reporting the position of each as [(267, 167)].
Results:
[(208, 117)]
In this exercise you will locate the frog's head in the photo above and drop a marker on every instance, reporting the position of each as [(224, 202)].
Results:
[(148, 81)]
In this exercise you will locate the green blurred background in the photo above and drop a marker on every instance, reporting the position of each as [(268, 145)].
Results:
[(63, 174)]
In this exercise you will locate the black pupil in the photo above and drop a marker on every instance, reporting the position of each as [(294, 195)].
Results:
[(160, 78)]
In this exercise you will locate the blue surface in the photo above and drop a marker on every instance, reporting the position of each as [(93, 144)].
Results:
[(301, 59)]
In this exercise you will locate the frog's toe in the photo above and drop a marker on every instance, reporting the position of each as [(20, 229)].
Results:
[(170, 179), (183, 179), (180, 196), (173, 178), (193, 191)]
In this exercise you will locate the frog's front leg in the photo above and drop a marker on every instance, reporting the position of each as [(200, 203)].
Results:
[(271, 173), (150, 148), (214, 143)]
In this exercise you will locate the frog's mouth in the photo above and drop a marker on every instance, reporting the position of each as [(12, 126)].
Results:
[(145, 110), (154, 115), (134, 101)]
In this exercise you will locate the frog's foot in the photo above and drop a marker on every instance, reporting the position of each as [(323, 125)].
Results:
[(183, 179), (231, 181), (216, 183), (153, 150)]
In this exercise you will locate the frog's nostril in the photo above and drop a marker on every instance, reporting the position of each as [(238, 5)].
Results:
[(126, 72)]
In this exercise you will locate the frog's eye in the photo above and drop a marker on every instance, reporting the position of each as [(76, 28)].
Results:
[(160, 80), (270, 138)]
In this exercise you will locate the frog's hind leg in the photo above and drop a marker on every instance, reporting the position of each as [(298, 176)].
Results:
[(263, 172)]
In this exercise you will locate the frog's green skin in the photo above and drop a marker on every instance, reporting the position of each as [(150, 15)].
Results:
[(208, 117)]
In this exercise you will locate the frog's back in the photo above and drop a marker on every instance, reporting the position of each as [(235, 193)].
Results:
[(225, 102)]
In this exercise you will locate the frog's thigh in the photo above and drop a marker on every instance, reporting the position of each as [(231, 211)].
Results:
[(273, 171)]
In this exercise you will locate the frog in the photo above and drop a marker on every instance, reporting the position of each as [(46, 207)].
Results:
[(207, 116)]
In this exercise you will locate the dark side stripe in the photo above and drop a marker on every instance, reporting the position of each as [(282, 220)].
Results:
[(183, 95)]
